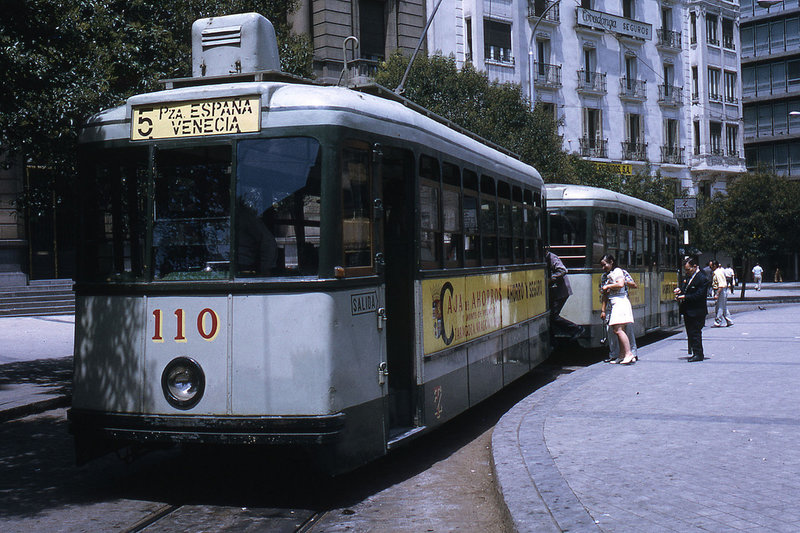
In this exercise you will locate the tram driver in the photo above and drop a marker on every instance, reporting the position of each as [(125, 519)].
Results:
[(255, 243)]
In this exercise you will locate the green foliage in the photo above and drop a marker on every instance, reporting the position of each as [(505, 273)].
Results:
[(757, 217), (66, 60)]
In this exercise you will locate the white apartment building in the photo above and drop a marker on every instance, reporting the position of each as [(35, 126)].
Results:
[(632, 82)]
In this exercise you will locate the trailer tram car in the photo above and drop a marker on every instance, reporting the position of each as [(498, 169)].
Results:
[(587, 222), (270, 261)]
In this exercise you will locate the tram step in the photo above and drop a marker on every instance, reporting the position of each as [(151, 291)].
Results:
[(404, 435)]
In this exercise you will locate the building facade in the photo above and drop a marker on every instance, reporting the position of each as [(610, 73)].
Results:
[(641, 85), (770, 37)]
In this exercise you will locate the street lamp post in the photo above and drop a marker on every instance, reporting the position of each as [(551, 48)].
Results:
[(533, 42)]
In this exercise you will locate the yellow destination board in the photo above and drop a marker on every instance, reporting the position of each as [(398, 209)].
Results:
[(459, 309), (197, 118), (668, 286), (635, 296)]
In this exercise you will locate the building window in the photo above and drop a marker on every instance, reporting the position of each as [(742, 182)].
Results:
[(372, 41), (592, 142), (762, 39), (695, 85), (666, 19), (629, 9), (777, 41), (713, 84), (727, 34), (793, 74), (715, 137), (730, 87), (697, 137), (748, 42), (497, 41), (732, 139), (468, 23), (711, 30), (693, 27)]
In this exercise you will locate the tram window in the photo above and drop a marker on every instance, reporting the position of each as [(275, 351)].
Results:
[(639, 242), (568, 237), (430, 232), (488, 222), (598, 238), (451, 215), (517, 225), (504, 224), (356, 207), (191, 220), (277, 219), (612, 241), (469, 211), (430, 225), (114, 218)]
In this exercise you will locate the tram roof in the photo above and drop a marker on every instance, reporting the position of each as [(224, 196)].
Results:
[(285, 104), (560, 195)]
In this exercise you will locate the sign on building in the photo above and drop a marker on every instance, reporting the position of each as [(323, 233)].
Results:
[(613, 23)]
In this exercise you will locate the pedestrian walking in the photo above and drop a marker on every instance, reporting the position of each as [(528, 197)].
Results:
[(621, 310), (691, 296), (560, 291), (778, 275), (730, 277), (708, 270), (720, 287), (757, 273)]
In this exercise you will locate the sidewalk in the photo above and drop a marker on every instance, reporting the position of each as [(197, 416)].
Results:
[(664, 445), (35, 364)]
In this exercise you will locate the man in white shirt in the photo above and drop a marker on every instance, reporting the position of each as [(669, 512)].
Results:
[(720, 287), (757, 273)]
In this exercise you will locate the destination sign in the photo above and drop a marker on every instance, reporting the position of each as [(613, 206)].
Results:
[(221, 116), (621, 25)]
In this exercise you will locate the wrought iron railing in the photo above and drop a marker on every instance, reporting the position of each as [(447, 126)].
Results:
[(632, 88), (672, 154), (591, 81), (669, 38), (634, 151), (536, 8), (593, 147), (547, 75), (670, 95)]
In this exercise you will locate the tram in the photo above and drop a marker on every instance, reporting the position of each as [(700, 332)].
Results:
[(269, 261), (585, 223)]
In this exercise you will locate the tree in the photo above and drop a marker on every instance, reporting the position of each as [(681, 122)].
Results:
[(757, 217), (66, 60)]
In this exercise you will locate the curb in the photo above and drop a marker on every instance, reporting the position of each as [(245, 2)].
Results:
[(34, 408)]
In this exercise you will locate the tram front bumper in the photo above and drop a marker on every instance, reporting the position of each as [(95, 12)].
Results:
[(168, 429)]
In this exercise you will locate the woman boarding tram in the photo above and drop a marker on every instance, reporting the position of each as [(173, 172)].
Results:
[(267, 261)]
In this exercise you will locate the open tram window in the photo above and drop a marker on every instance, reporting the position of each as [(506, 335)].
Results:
[(277, 220), (191, 219), (568, 236), (356, 207), (488, 221), (504, 224), (612, 236), (472, 253), (429, 221), (639, 241), (114, 214), (452, 238)]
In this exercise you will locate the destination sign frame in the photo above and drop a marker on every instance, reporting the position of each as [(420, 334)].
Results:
[(614, 23), (196, 118)]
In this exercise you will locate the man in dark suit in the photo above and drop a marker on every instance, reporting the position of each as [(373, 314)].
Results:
[(560, 290), (691, 296)]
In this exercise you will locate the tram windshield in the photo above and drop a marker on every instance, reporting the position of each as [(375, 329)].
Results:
[(270, 229)]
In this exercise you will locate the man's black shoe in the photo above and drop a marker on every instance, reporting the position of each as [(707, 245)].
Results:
[(694, 359)]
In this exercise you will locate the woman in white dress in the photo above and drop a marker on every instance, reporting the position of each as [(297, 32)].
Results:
[(621, 310)]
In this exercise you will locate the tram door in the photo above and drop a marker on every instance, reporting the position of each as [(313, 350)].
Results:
[(397, 179)]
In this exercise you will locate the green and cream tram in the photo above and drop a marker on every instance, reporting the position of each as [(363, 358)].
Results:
[(267, 261), (587, 222)]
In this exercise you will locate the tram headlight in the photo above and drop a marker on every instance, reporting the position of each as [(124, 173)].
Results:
[(183, 383)]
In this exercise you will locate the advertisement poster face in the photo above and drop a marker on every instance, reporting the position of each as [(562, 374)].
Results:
[(459, 309)]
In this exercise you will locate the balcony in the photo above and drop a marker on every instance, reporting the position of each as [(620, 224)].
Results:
[(728, 42), (731, 99), (547, 76), (550, 18), (669, 39), (592, 82), (631, 89), (671, 154), (592, 147), (634, 151), (670, 95), (499, 55)]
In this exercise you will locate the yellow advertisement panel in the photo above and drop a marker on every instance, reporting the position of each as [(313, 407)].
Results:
[(220, 116), (668, 285), (456, 310), (637, 295), (596, 301)]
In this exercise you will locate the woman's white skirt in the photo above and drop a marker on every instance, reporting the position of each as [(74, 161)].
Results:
[(621, 311)]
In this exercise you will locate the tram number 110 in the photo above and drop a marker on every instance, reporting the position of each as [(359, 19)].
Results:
[(207, 325)]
